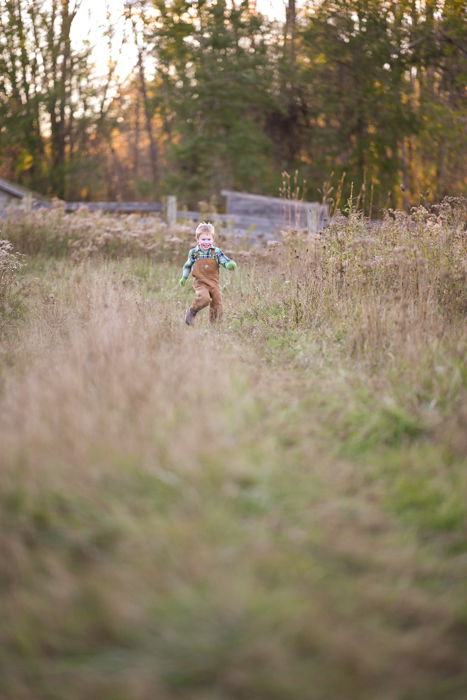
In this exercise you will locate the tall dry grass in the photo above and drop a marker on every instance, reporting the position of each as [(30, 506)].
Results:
[(10, 264), (84, 234), (270, 509)]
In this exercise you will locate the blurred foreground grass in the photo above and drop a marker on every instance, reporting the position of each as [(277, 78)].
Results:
[(275, 509)]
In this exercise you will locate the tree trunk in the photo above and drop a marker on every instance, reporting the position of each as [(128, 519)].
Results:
[(153, 148)]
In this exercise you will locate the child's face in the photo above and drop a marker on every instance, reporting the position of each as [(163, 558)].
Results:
[(205, 240)]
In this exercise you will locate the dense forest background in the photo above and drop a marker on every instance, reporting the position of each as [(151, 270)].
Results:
[(343, 96)]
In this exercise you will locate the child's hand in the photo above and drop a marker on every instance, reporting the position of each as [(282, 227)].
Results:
[(182, 282), (231, 265)]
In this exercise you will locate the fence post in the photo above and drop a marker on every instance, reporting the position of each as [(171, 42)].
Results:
[(312, 221), (171, 210), (27, 202)]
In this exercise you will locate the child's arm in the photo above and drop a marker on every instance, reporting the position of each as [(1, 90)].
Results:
[(225, 261), (187, 269)]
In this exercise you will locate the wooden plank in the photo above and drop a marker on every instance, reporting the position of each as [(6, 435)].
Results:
[(123, 207)]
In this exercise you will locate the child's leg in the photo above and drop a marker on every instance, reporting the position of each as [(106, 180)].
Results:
[(215, 309), (202, 297)]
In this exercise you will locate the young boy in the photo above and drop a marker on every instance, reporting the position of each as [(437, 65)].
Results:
[(203, 261)]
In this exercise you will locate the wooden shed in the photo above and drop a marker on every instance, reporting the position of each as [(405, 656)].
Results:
[(11, 193), (272, 214)]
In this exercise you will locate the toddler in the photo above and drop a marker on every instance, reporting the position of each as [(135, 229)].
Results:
[(203, 262)]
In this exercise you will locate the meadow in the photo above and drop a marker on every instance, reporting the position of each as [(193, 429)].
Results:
[(270, 509)]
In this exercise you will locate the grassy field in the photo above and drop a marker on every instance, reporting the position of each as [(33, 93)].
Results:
[(272, 509)]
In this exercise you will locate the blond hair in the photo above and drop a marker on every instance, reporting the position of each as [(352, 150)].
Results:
[(204, 227)]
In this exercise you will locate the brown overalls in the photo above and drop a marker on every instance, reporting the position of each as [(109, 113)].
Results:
[(207, 291)]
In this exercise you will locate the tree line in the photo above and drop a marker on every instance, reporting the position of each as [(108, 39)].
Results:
[(362, 98)]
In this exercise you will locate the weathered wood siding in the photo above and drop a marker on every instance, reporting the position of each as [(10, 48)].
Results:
[(271, 214), (6, 198)]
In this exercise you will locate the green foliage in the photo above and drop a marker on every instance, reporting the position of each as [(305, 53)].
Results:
[(213, 83), (361, 94), (53, 108), (353, 95)]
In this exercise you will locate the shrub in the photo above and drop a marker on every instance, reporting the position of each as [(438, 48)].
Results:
[(83, 234), (10, 263)]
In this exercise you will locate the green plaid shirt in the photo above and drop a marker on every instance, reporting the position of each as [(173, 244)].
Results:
[(198, 252)]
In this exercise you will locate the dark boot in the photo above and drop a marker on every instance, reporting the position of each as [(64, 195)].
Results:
[(190, 317)]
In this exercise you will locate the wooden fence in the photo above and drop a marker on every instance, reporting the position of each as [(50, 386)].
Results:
[(119, 207), (245, 212)]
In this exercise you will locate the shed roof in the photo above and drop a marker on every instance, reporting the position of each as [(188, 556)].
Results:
[(19, 191)]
